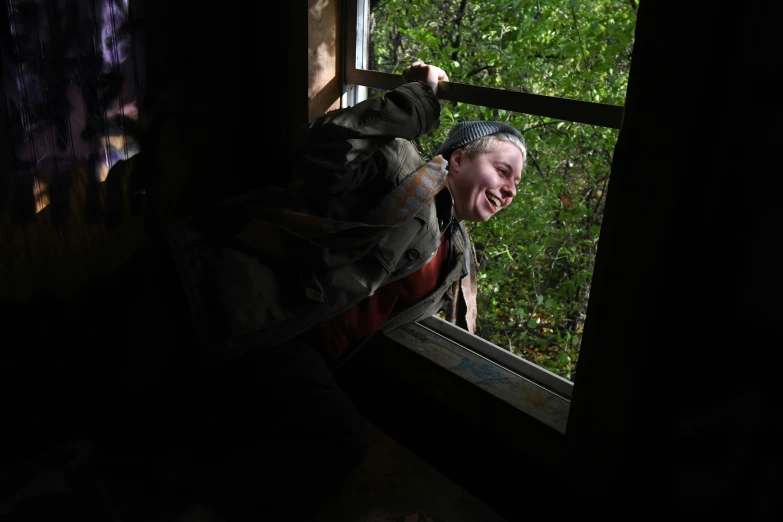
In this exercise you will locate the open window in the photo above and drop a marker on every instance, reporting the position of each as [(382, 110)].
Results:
[(558, 71)]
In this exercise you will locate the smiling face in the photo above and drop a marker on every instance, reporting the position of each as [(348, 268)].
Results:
[(485, 184)]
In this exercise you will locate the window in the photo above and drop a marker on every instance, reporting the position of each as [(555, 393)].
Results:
[(558, 72)]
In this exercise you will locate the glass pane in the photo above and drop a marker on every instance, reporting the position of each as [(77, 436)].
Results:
[(577, 50), (535, 259)]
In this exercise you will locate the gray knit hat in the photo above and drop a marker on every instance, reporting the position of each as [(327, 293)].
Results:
[(466, 131)]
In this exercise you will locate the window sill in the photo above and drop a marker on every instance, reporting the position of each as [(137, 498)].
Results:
[(529, 388)]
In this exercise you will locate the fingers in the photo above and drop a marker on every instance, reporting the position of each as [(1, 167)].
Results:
[(429, 74), (413, 71)]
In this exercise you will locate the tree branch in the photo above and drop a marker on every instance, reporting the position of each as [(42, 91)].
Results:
[(598, 204), (542, 124), (375, 4), (523, 329), (478, 70), (581, 46), (455, 43), (535, 162)]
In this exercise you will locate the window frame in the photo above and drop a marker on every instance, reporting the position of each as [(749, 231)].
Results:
[(432, 337), (358, 78)]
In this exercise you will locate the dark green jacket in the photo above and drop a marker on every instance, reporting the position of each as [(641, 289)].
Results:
[(266, 267)]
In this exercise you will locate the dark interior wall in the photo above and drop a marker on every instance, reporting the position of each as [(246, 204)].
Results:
[(227, 85), (191, 103), (218, 107)]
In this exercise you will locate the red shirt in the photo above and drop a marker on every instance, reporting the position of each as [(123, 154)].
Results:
[(356, 324)]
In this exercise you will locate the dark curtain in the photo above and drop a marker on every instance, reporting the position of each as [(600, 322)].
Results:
[(71, 192), (677, 409), (70, 137), (70, 98)]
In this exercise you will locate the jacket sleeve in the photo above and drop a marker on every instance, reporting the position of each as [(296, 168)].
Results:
[(337, 143)]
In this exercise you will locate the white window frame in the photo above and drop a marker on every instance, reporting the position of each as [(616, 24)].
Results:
[(530, 388)]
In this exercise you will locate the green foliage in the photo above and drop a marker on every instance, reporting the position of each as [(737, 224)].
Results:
[(535, 258)]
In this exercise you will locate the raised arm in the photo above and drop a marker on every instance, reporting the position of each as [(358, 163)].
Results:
[(340, 140)]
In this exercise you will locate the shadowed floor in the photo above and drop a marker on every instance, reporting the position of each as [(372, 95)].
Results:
[(394, 485)]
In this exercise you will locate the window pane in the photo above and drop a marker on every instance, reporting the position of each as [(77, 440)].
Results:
[(577, 50), (535, 259)]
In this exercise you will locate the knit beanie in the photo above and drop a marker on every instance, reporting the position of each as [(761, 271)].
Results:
[(466, 131)]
